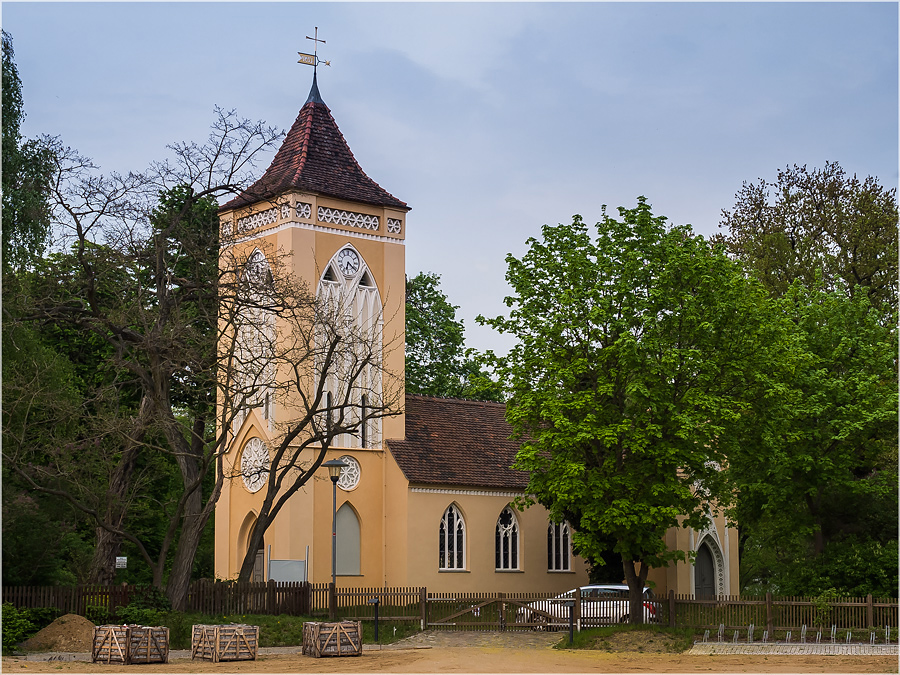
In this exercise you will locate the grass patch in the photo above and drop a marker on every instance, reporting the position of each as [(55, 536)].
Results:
[(275, 631), (626, 637)]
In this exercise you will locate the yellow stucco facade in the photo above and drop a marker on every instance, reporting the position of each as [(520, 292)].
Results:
[(396, 534)]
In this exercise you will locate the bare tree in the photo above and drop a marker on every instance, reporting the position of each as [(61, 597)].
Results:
[(142, 278)]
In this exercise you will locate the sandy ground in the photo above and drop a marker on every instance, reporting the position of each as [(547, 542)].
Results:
[(485, 653), (487, 660)]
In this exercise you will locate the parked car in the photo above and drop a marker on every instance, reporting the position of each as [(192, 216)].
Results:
[(600, 604)]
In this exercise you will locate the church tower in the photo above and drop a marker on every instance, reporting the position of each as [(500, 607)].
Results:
[(341, 233)]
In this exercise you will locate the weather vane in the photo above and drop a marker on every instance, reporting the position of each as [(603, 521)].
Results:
[(313, 59)]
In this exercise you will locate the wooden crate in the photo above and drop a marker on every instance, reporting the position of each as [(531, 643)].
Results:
[(130, 644), (231, 642), (332, 639), (148, 644), (110, 644)]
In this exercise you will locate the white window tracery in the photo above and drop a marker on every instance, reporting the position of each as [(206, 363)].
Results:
[(354, 305), (559, 549), (452, 540), (253, 372), (507, 541)]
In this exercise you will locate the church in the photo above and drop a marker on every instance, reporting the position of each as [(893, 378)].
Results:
[(426, 497)]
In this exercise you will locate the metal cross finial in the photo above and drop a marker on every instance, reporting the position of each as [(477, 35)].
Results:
[(313, 59), (315, 40)]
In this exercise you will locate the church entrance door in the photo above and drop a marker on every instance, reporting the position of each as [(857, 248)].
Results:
[(704, 573)]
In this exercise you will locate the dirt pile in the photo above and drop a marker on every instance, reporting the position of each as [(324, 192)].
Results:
[(69, 633)]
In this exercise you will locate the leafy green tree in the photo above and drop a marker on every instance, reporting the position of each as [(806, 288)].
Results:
[(27, 170), (638, 352), (818, 224), (817, 474), (437, 362)]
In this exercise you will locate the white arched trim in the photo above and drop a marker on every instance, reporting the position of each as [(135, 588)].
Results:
[(719, 563)]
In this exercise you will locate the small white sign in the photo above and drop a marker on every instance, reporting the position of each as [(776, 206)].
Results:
[(121, 562)]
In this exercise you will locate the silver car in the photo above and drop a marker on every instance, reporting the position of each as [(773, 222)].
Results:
[(601, 604)]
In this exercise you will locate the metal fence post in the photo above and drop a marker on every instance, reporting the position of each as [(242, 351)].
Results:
[(672, 608), (423, 600), (577, 609)]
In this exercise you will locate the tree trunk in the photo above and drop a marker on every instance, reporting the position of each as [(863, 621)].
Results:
[(635, 582), (103, 564), (185, 552)]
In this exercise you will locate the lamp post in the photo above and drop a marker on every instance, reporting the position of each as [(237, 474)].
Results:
[(334, 467)]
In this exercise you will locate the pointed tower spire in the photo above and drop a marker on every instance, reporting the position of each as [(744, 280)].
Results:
[(314, 96), (315, 157)]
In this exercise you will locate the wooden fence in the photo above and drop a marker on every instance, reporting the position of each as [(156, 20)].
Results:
[(781, 613), (207, 597), (466, 611)]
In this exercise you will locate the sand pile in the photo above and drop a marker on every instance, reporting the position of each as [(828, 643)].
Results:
[(69, 633)]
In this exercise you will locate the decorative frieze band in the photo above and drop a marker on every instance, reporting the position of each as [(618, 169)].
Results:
[(257, 220), (341, 217), (303, 210), (471, 493)]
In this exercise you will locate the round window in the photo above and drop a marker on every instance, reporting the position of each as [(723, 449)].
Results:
[(349, 474)]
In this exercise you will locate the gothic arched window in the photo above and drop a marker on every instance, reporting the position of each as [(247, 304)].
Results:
[(507, 541), (452, 540), (558, 548), (347, 541), (351, 299), (253, 372)]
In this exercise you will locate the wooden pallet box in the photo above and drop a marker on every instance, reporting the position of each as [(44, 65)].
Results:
[(110, 644), (128, 644), (230, 642), (332, 639), (148, 644)]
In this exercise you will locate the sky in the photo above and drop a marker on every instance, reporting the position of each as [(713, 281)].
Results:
[(488, 119)]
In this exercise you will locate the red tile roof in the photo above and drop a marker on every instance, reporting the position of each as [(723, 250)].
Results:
[(460, 443), (314, 157)]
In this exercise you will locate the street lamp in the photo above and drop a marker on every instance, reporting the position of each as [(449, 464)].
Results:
[(334, 466)]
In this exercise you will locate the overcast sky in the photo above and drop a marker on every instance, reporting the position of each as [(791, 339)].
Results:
[(489, 120)]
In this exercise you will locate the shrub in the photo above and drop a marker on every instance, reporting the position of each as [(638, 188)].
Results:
[(97, 614), (16, 627)]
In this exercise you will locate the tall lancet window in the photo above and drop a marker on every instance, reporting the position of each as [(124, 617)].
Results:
[(452, 540), (507, 541), (352, 311), (253, 374), (558, 548)]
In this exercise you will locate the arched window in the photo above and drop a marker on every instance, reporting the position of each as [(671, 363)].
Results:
[(253, 371), (347, 288), (558, 549), (507, 541), (452, 545), (347, 541)]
